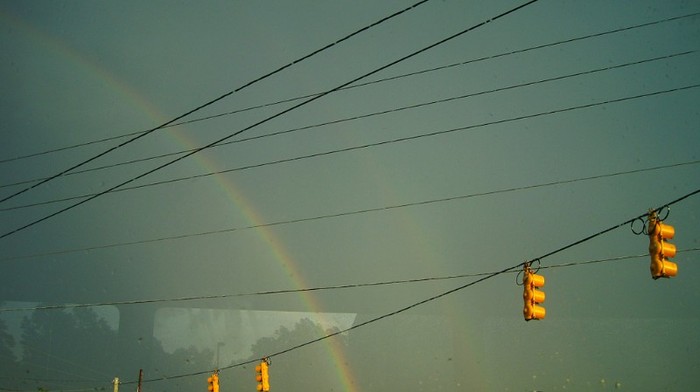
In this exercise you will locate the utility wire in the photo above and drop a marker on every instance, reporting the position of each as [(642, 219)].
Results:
[(363, 116), (362, 146), (614, 227), (317, 288), (424, 301), (400, 76), (250, 83), (413, 54), (353, 212), (427, 300), (443, 294)]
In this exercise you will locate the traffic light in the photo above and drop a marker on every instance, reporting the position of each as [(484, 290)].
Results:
[(213, 381), (532, 296), (262, 375), (659, 249)]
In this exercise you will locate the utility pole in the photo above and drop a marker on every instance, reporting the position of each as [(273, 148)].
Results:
[(138, 388)]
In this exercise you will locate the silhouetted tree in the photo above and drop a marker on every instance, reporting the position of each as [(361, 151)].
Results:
[(8, 361), (311, 368), (61, 348), (7, 343), (181, 361)]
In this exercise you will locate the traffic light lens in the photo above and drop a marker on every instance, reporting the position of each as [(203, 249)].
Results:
[(538, 312), (537, 280), (666, 231), (668, 249), (669, 268), (538, 296), (534, 280)]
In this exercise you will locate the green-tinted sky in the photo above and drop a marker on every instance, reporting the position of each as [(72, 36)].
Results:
[(537, 135)]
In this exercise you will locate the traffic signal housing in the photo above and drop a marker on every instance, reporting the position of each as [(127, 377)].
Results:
[(660, 249), (213, 381), (262, 375), (532, 295)]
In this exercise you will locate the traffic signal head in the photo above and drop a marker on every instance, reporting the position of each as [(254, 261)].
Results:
[(262, 376), (660, 249), (532, 296), (213, 382)]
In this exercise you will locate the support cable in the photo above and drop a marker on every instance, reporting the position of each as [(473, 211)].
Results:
[(350, 213), (419, 303), (358, 117), (400, 76), (413, 54), (427, 300), (317, 288), (198, 108), (359, 147)]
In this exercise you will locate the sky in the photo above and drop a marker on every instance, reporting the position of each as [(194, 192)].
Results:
[(498, 146)]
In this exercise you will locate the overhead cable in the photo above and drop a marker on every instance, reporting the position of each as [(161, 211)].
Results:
[(317, 288), (392, 63), (353, 212), (202, 106), (400, 76), (368, 145), (419, 303), (424, 301), (363, 116)]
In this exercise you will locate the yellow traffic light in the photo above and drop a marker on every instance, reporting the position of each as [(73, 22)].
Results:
[(659, 249), (532, 296), (213, 381), (262, 375)]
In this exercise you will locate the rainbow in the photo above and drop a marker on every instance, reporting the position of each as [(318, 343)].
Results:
[(291, 267), (134, 97)]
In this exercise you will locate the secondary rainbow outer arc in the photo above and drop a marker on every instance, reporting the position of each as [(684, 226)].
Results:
[(139, 101)]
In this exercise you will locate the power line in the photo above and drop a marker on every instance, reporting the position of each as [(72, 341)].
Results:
[(353, 212), (363, 116), (427, 300), (615, 227), (439, 68), (415, 53), (312, 342), (250, 83), (369, 145), (317, 288), (400, 76), (430, 299)]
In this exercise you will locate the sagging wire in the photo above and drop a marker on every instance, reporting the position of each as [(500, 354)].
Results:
[(322, 288), (442, 294), (265, 120)]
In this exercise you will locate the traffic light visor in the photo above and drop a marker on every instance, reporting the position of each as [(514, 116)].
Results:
[(668, 249), (534, 280), (666, 231), (670, 268)]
